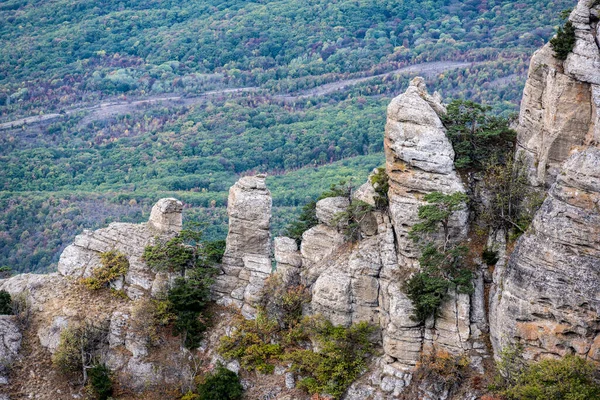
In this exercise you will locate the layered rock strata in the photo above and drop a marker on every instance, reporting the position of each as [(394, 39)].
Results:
[(83, 256), (359, 281), (548, 297), (560, 105), (58, 301), (246, 262)]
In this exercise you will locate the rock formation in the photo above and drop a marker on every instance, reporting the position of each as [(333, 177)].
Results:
[(362, 281), (10, 344), (57, 301), (545, 296), (560, 105), (246, 263), (548, 296)]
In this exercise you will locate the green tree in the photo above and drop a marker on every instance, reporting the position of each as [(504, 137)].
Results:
[(564, 40), (569, 378), (442, 266), (476, 134), (222, 384), (437, 212)]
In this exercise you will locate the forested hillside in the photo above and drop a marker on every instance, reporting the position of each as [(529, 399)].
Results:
[(85, 166)]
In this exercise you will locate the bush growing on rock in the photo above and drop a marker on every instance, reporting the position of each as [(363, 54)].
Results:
[(189, 297), (442, 265), (511, 202), (100, 383), (114, 266), (441, 366), (283, 303), (80, 348), (21, 308), (5, 303), (339, 356), (340, 359), (477, 136), (569, 378), (222, 384), (564, 41), (380, 182)]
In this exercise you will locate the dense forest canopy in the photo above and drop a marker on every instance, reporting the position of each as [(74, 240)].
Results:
[(80, 170)]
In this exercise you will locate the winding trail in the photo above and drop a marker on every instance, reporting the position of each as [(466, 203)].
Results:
[(113, 108)]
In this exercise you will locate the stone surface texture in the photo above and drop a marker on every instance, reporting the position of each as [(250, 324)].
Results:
[(359, 281), (58, 301), (83, 256), (560, 104), (246, 262), (547, 296), (10, 344)]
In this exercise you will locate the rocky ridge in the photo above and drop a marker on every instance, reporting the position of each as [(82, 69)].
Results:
[(561, 100), (545, 294)]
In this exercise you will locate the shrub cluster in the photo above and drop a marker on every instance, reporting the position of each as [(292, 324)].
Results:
[(341, 357), (477, 135), (100, 382), (564, 41), (5, 303), (568, 378), (187, 300), (222, 384), (114, 265), (442, 265), (381, 184)]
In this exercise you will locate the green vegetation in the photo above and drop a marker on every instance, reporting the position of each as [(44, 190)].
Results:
[(477, 135), (114, 265), (437, 212), (340, 359), (189, 296), (188, 300), (352, 217), (280, 335), (490, 257), (512, 203), (222, 384), (80, 349), (380, 182), (442, 265), (567, 378), (564, 41), (5, 303), (79, 171), (255, 343), (100, 382), (283, 303)]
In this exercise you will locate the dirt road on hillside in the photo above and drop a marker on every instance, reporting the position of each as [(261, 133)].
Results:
[(119, 107)]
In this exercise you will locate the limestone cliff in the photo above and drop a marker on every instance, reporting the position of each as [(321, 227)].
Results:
[(559, 109), (58, 301), (246, 262), (362, 281), (545, 295), (548, 296)]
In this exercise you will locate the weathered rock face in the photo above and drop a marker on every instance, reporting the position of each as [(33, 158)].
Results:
[(57, 301), (548, 297), (560, 105), (362, 281), (246, 262), (83, 256), (10, 344), (419, 160)]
